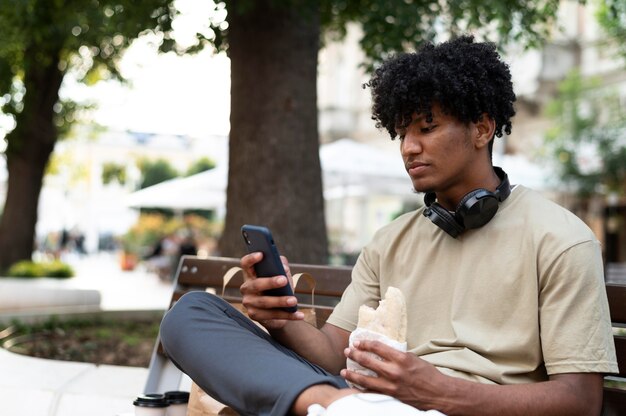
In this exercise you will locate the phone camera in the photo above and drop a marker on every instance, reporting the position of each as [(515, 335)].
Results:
[(245, 236)]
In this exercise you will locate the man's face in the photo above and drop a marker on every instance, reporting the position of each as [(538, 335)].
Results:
[(438, 154)]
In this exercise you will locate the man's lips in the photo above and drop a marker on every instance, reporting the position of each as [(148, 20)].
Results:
[(415, 168)]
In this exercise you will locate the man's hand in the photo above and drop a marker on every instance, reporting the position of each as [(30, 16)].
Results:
[(401, 375), (266, 309), (418, 383)]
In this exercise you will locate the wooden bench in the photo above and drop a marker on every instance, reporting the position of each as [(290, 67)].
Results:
[(615, 386), (615, 273), (199, 274)]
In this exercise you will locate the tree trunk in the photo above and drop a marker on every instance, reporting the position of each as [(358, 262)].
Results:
[(275, 175), (28, 150)]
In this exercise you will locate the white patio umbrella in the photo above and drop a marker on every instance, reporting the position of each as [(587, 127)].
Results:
[(347, 166), (353, 168), (204, 190)]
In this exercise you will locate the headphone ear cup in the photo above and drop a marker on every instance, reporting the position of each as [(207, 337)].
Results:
[(476, 208), (443, 219)]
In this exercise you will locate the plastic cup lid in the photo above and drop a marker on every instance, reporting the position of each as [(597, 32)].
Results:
[(177, 397), (151, 400)]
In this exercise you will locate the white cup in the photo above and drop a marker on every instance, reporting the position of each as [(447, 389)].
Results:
[(177, 409), (177, 401), (150, 405)]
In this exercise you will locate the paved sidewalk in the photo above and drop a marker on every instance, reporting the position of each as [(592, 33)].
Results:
[(133, 290), (38, 387)]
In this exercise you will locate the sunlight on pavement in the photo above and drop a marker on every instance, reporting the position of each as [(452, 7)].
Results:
[(120, 290)]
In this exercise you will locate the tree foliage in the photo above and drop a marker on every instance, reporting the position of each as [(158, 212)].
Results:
[(394, 26), (200, 165), (42, 42), (155, 171), (84, 37), (113, 172), (612, 17), (589, 136)]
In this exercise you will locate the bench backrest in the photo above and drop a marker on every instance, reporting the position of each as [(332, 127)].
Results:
[(196, 273), (615, 386), (200, 274)]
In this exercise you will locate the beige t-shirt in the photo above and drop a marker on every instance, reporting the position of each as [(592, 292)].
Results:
[(511, 302)]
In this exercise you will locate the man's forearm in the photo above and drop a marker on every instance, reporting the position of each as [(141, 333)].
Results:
[(315, 345), (566, 394)]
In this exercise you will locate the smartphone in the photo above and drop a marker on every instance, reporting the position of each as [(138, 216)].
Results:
[(258, 238)]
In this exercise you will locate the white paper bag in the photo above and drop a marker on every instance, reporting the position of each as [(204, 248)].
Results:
[(361, 334)]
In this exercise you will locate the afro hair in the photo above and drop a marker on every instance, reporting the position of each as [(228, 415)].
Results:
[(466, 79)]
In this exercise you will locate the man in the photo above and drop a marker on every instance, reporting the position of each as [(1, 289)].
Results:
[(507, 312)]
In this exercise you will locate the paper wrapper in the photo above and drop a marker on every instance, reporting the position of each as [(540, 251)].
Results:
[(361, 334)]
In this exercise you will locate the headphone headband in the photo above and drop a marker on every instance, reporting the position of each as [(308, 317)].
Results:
[(504, 189)]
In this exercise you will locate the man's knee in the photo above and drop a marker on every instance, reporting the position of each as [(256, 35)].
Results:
[(183, 311), (198, 301)]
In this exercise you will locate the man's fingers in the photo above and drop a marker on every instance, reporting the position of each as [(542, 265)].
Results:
[(384, 351), (369, 383), (375, 355), (356, 378), (270, 302), (265, 283), (248, 261), (364, 358), (273, 314), (271, 307), (253, 293)]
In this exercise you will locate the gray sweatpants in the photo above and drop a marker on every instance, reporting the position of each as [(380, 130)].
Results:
[(233, 360)]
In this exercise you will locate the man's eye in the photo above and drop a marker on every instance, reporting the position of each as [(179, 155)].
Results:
[(427, 129)]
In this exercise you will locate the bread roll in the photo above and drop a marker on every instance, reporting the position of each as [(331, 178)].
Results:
[(389, 318)]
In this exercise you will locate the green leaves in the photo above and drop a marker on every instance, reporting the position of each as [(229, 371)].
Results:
[(588, 138), (43, 40), (394, 26), (155, 171), (612, 17), (200, 165), (62, 29)]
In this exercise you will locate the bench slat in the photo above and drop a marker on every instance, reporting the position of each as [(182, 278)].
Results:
[(197, 272), (615, 273), (620, 350), (616, 294), (614, 402)]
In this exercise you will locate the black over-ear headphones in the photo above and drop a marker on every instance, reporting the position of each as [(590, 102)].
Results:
[(476, 208)]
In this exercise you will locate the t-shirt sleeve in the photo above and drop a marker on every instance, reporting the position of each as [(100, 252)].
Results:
[(576, 333), (363, 289)]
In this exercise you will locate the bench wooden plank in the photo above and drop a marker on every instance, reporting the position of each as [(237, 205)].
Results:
[(614, 397), (615, 273), (198, 272), (616, 294), (620, 350), (614, 402)]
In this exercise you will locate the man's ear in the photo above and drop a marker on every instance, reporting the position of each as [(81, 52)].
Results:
[(484, 130)]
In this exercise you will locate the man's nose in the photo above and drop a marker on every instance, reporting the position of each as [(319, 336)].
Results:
[(410, 144)]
